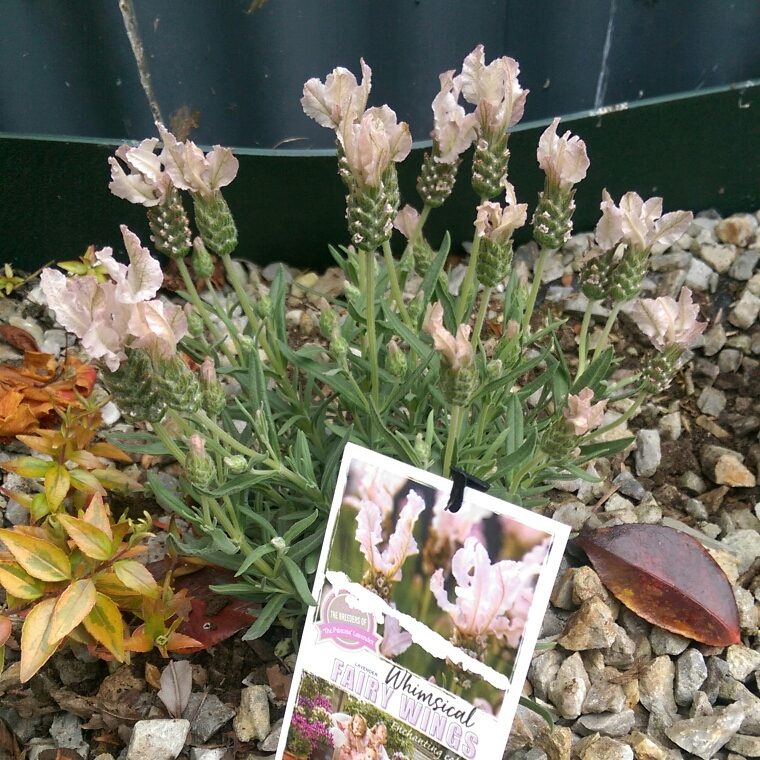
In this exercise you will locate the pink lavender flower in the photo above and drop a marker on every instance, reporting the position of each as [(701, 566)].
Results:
[(118, 313), (372, 143), (395, 641), (563, 159), (667, 322), (456, 350), (488, 596), (494, 89), (496, 223), (147, 182), (581, 416), (385, 566), (191, 170), (453, 130), (339, 98), (639, 223), (406, 221)]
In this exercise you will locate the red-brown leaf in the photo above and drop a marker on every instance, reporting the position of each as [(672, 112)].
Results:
[(18, 338), (668, 578)]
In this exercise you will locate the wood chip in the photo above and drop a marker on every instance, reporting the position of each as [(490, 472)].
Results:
[(712, 427)]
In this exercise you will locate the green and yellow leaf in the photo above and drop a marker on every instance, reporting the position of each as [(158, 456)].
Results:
[(39, 443), (36, 647), (109, 451), (104, 624), (137, 577), (16, 581), (57, 484), (112, 478), (85, 481), (27, 467), (85, 459), (92, 541), (72, 607), (40, 558)]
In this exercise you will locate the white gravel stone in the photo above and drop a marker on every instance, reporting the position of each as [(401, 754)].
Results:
[(691, 672), (157, 739), (669, 426), (252, 721), (743, 268), (745, 545), (667, 642), (648, 452), (704, 736), (744, 312), (711, 401), (698, 275), (568, 690), (111, 414), (742, 662), (719, 257)]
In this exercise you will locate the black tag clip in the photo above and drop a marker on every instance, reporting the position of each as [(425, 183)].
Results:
[(462, 480)]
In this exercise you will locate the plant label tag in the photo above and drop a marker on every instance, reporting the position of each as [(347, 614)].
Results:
[(425, 623)]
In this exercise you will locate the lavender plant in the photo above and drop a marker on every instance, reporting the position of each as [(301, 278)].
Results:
[(409, 378)]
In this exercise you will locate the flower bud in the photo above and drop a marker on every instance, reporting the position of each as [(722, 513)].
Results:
[(194, 321), (595, 278), (659, 368), (494, 369), (458, 386), (489, 166), (629, 274), (178, 385), (326, 320), (416, 307), (203, 264), (395, 361), (279, 543), (170, 226), (423, 256), (552, 220), (199, 467), (422, 448), (247, 343), (213, 397), (134, 389), (436, 181), (264, 306), (494, 262), (352, 292), (338, 344), (236, 464), (215, 223)]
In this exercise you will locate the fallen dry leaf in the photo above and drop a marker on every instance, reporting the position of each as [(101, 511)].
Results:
[(29, 394), (176, 687), (18, 338), (278, 681), (668, 578), (153, 675)]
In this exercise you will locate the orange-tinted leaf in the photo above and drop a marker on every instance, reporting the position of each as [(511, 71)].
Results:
[(15, 415), (91, 541), (36, 648), (16, 581), (182, 644), (104, 624), (38, 557), (108, 584), (18, 338), (139, 641), (6, 628), (109, 451), (153, 675), (57, 484), (113, 478), (28, 467), (85, 481), (85, 459), (73, 606), (97, 515), (668, 578), (24, 499), (137, 577), (39, 443)]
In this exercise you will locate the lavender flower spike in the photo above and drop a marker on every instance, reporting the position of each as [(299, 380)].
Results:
[(581, 416), (563, 159)]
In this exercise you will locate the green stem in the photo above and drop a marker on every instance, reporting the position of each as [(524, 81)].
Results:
[(457, 417), (482, 423), (605, 333), (201, 307), (395, 289), (534, 289), (369, 300), (469, 280), (583, 339), (481, 316), (167, 440), (620, 420)]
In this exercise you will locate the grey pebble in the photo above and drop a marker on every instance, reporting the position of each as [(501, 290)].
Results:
[(157, 739), (648, 452), (691, 672)]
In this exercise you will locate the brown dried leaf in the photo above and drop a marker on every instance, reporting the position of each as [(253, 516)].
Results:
[(668, 578), (18, 338), (176, 687), (153, 675), (278, 681)]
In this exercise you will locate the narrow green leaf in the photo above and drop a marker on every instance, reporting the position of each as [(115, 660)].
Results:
[(298, 528), (254, 556), (595, 372), (266, 617), (299, 580)]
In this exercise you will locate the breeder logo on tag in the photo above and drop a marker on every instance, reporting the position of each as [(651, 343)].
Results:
[(430, 600), (346, 626)]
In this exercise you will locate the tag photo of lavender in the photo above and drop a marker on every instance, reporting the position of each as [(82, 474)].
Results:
[(469, 576)]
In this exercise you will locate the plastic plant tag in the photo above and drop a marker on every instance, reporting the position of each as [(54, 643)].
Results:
[(426, 619)]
